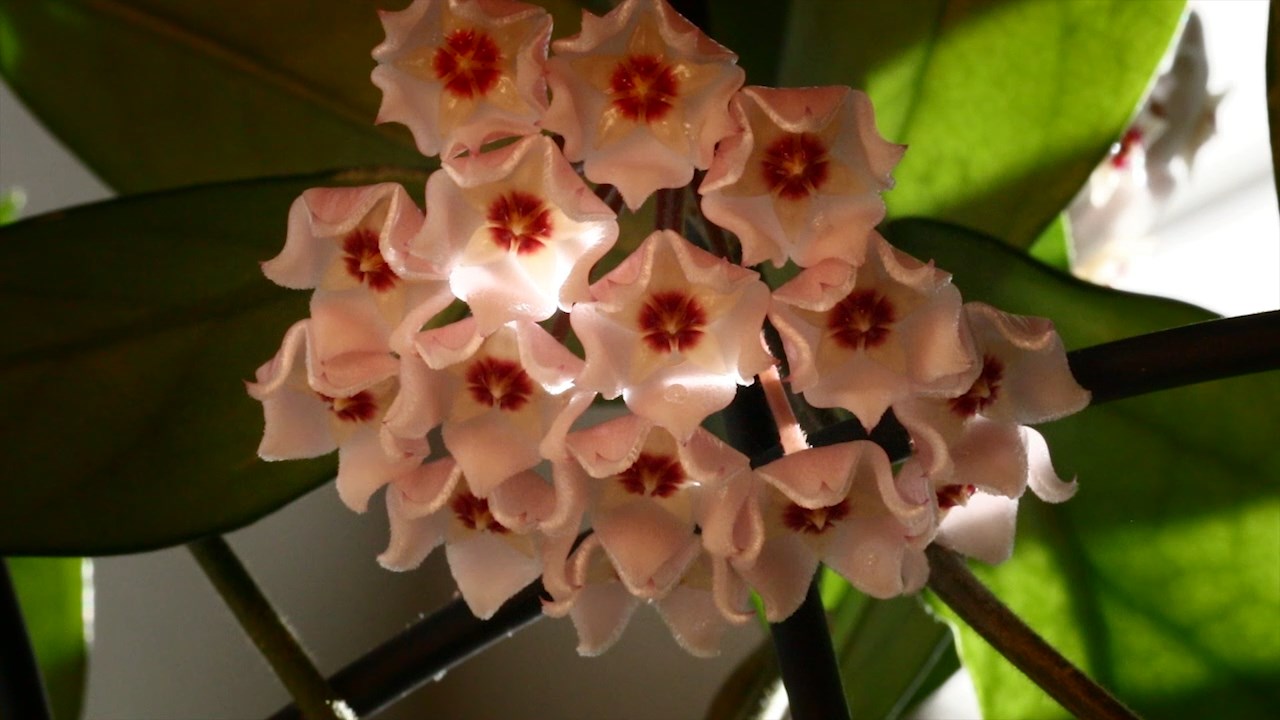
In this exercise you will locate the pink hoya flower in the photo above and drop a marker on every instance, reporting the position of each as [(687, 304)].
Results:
[(641, 96), (301, 422), (587, 586), (517, 227), (461, 73), (838, 504), (866, 337), (974, 447), (337, 242), (802, 178), (493, 544), (647, 496), (674, 330), (511, 385)]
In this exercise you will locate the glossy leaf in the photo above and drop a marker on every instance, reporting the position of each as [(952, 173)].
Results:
[(1007, 105), (199, 92), (131, 327), (1162, 576), (887, 649), (52, 595)]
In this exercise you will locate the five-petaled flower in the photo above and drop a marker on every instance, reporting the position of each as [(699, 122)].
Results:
[(641, 97)]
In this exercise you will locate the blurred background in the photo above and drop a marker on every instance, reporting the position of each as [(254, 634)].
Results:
[(1213, 240)]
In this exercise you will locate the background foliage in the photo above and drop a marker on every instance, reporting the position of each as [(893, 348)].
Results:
[(126, 353)]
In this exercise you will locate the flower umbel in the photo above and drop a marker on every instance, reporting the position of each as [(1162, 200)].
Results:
[(502, 310)]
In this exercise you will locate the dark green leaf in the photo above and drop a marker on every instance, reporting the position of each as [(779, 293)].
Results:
[(755, 30), (1162, 576), (1007, 104), (131, 326), (52, 595), (199, 92)]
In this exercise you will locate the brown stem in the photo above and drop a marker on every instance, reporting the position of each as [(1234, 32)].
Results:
[(951, 580)]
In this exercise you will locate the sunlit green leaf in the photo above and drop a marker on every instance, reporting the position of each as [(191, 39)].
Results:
[(1007, 105), (52, 595), (1053, 247), (131, 326), (11, 203), (1162, 576)]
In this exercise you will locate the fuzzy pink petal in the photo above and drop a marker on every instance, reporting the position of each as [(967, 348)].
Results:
[(817, 477), (679, 401), (1037, 384), (489, 570), (781, 575), (350, 343), (412, 538), (363, 467), (545, 359), (296, 422), (731, 594), (1044, 482), (868, 553), (426, 488), (484, 462), (600, 614), (417, 407), (649, 546), (449, 345), (695, 622), (991, 456), (732, 524), (983, 528), (610, 447), (522, 501)]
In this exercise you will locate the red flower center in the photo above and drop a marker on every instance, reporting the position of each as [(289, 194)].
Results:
[(672, 321), (862, 320), (467, 63), (653, 475), (984, 391), (364, 262), (519, 221), (360, 407), (814, 521), (499, 383), (795, 165), (473, 513), (643, 88), (950, 496)]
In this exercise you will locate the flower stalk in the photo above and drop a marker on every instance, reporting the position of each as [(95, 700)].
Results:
[(951, 580), (807, 659), (274, 639)]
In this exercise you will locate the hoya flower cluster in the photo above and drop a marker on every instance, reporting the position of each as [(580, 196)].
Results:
[(539, 155)]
